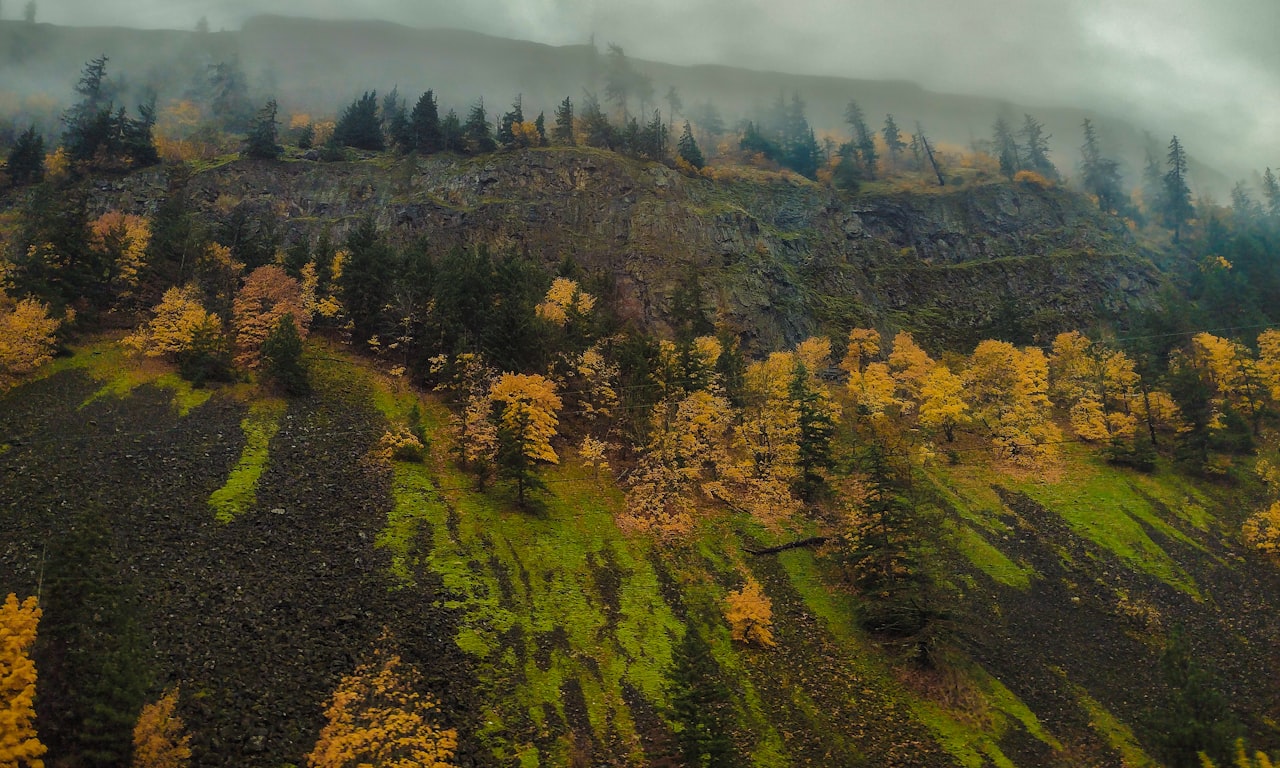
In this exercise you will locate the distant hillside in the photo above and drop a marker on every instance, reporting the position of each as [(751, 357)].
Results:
[(318, 66)]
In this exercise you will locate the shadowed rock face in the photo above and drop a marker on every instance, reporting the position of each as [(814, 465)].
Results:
[(779, 256)]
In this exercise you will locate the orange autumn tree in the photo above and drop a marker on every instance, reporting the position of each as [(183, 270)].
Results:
[(376, 717), (19, 745), (269, 293), (160, 739)]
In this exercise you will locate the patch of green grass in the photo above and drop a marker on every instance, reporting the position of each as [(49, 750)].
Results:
[(239, 494), (987, 558), (1099, 502), (119, 373), (549, 597), (1117, 734), (1005, 701)]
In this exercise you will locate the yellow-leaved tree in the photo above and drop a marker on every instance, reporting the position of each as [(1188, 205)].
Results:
[(1262, 530), (19, 745), (750, 615), (1232, 371), (527, 406), (1008, 393), (376, 717), (122, 239), (178, 324), (26, 338), (565, 303), (942, 404), (1097, 384), (160, 739)]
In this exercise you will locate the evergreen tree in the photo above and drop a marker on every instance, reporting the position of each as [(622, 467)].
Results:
[(800, 148), (281, 356), (620, 80), (1153, 194), (1271, 193), (478, 131), (1178, 208), (597, 132), (1037, 148), (863, 139), (846, 174), (702, 705), (395, 121), (540, 125), (262, 141), (228, 91), (26, 159), (1197, 718), (452, 133), (675, 105), (1006, 148), (562, 133), (359, 126), (892, 139), (366, 280), (137, 144), (510, 119), (424, 132), (653, 140), (687, 148), (1101, 175), (817, 428)]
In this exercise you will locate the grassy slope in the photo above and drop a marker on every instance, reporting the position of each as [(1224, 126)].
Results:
[(571, 625)]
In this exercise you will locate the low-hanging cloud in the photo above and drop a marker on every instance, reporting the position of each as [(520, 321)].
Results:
[(1209, 69)]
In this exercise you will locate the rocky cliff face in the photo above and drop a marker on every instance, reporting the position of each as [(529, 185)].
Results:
[(779, 257)]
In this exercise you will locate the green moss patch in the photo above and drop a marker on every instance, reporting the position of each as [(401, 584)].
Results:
[(239, 494)]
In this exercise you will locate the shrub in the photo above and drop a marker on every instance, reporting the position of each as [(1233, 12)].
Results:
[(750, 615)]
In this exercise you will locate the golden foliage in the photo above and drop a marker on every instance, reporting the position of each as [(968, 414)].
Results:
[(1031, 177), (1229, 367), (269, 293), (874, 390), (1269, 361), (19, 744), (910, 365), (1242, 759), (376, 718), (1098, 385), (1007, 391), (177, 321), (592, 453), (750, 615), (814, 353), (564, 301), (864, 344), (529, 405), (159, 738), (123, 238), (26, 338), (942, 402), (399, 444), (57, 165), (1262, 530), (526, 134)]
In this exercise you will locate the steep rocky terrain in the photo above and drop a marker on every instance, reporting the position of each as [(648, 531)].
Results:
[(781, 256)]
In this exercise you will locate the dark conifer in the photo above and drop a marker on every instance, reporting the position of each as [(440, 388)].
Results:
[(359, 126), (262, 141), (26, 159), (562, 133), (425, 134), (687, 148), (478, 130)]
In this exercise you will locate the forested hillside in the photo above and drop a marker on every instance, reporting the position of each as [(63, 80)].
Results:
[(587, 438)]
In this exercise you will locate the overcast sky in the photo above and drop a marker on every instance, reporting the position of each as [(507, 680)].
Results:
[(1191, 66)]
